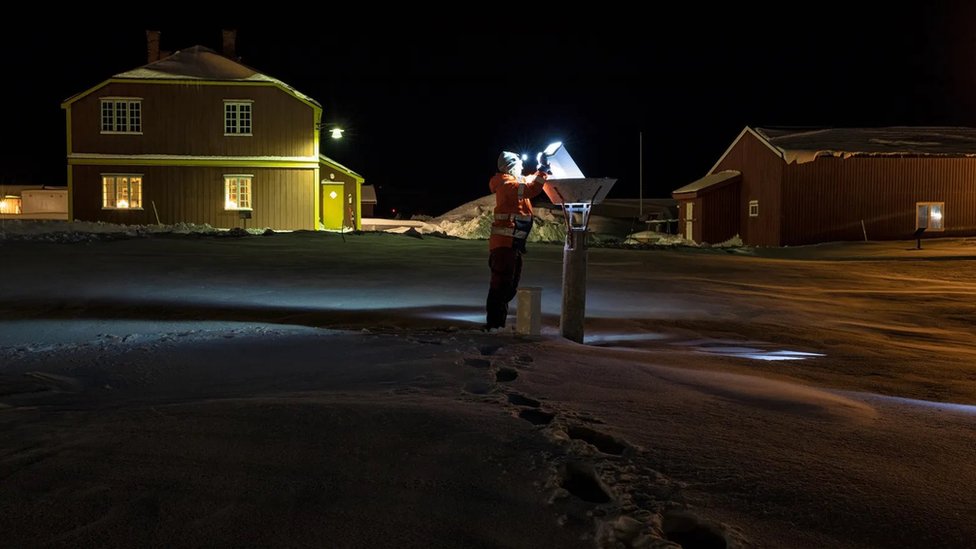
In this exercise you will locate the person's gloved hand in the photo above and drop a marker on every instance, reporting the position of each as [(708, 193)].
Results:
[(543, 165)]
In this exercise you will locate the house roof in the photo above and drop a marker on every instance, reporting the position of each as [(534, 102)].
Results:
[(335, 165), (369, 194), (710, 181), (804, 145), (200, 64)]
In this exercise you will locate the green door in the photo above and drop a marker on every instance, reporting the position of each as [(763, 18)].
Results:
[(332, 202)]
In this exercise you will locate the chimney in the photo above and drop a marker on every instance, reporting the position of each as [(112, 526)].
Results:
[(230, 44), (152, 46)]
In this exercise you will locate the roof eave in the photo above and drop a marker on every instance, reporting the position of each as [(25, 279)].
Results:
[(328, 161), (283, 87), (779, 152)]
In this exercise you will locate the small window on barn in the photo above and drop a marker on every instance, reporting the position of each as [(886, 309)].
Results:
[(753, 208), (10, 204), (929, 216), (121, 191), (237, 192), (237, 117), (122, 115)]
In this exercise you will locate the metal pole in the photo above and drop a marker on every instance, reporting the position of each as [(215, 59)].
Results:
[(574, 286), (641, 176)]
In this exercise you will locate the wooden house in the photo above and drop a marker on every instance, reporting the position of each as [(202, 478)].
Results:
[(197, 137)]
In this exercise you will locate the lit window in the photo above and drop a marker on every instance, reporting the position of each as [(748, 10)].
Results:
[(753, 208), (121, 191), (237, 117), (121, 115), (237, 192), (10, 205), (929, 216)]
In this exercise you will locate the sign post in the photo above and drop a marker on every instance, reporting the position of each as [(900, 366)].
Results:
[(244, 215), (918, 237)]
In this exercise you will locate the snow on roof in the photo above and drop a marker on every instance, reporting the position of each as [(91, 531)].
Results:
[(338, 166), (200, 63), (805, 145), (708, 181), (369, 194)]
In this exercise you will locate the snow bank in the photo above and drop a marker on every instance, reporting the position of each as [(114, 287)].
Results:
[(74, 231)]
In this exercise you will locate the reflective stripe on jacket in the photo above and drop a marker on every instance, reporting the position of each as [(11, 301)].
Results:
[(513, 200)]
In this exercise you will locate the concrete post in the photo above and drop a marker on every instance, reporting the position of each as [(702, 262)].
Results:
[(574, 286), (528, 318)]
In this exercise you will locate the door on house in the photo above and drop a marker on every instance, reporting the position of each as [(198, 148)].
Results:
[(332, 211), (689, 218)]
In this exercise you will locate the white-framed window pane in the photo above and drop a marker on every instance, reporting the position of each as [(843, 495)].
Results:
[(238, 118), (922, 219), (935, 217), (237, 192), (135, 192), (121, 115), (107, 119), (230, 118), (108, 192), (122, 192), (930, 216), (245, 118), (753, 208), (135, 116)]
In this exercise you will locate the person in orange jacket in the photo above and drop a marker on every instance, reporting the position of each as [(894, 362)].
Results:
[(510, 230)]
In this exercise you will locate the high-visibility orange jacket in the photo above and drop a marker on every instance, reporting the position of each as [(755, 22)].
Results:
[(512, 198)]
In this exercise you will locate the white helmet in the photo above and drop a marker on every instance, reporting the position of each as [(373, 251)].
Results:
[(507, 161)]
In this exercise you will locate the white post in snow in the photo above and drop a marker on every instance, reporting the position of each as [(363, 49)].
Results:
[(528, 318)]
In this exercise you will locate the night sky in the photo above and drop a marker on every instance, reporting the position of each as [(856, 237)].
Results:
[(429, 105)]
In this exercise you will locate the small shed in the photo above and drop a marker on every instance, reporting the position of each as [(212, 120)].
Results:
[(369, 201)]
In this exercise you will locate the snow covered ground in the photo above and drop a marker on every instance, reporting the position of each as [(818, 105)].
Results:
[(193, 388)]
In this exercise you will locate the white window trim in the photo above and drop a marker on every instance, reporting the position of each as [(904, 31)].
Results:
[(130, 175), (751, 210), (250, 178), (941, 206), (113, 99), (224, 117)]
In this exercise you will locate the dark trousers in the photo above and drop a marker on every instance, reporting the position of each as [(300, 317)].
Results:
[(506, 269)]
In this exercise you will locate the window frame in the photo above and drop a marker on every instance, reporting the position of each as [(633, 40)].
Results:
[(753, 208), (11, 205), (237, 117), (132, 104), (249, 178), (129, 193), (928, 218)]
